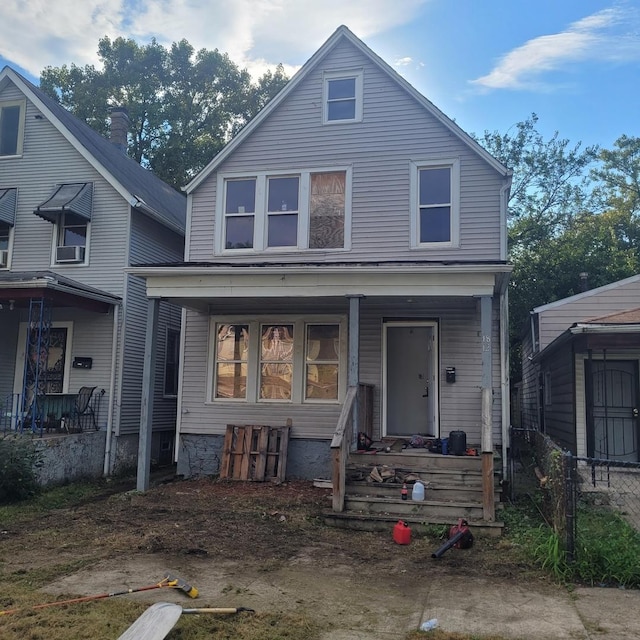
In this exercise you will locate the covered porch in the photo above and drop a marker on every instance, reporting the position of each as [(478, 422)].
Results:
[(456, 313), (53, 378)]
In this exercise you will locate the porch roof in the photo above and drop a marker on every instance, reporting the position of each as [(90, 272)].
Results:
[(22, 286), (615, 331), (192, 284)]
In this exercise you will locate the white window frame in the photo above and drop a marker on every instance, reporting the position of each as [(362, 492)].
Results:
[(298, 383), (9, 249), (23, 107), (57, 233), (453, 164), (260, 216), (358, 76)]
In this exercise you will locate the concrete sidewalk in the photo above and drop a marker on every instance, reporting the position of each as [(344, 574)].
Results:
[(371, 603), (489, 607)]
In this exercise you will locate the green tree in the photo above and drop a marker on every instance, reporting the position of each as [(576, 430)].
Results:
[(183, 105)]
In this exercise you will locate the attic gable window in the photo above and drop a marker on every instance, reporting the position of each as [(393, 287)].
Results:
[(11, 128), (342, 97), (435, 189)]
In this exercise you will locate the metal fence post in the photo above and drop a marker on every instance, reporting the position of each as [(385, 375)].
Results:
[(570, 505)]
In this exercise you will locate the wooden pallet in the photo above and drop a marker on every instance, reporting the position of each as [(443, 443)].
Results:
[(255, 452)]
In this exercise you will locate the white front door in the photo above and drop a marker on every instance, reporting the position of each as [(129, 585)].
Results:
[(410, 384)]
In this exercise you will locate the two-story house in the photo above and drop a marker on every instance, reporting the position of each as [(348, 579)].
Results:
[(75, 212), (350, 235)]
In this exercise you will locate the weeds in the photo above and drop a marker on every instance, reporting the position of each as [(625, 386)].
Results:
[(18, 460)]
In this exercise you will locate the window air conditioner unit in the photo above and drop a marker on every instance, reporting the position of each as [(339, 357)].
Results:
[(4, 258), (69, 254)]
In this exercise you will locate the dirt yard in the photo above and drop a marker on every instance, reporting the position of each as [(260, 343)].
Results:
[(241, 544)]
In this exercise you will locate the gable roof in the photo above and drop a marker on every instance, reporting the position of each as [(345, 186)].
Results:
[(586, 294), (341, 33), (138, 186)]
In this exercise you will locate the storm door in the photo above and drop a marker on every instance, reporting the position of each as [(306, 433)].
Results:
[(612, 409), (410, 387)]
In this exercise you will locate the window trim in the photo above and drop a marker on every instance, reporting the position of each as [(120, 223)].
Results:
[(327, 76), (453, 164), (298, 389), (260, 215), (21, 121)]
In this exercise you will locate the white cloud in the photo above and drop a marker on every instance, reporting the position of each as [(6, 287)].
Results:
[(608, 35), (257, 34), (403, 62)]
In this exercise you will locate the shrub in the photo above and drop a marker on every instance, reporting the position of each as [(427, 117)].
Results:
[(19, 459)]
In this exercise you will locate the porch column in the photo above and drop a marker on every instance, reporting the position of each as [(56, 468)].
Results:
[(488, 505), (146, 409), (353, 367)]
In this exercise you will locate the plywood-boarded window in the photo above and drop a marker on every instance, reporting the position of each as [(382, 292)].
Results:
[(327, 210), (276, 362), (232, 354)]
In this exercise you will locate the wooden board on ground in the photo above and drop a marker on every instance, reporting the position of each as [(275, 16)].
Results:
[(255, 452)]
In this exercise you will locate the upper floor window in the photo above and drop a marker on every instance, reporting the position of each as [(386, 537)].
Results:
[(69, 208), (435, 203), (342, 97), (11, 127), (7, 220), (305, 210)]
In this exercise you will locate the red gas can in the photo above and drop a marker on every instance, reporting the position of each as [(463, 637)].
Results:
[(402, 533)]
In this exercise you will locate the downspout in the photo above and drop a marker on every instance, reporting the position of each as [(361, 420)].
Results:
[(112, 389), (183, 323)]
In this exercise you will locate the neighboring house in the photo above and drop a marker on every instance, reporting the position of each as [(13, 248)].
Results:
[(351, 234), (75, 212), (580, 381)]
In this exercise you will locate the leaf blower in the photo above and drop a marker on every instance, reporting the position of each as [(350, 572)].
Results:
[(460, 537)]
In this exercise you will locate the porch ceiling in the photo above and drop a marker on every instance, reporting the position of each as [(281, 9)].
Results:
[(18, 288)]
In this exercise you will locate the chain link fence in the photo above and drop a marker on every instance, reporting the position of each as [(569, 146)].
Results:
[(561, 484)]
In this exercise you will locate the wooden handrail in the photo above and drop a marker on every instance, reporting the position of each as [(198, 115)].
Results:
[(340, 446)]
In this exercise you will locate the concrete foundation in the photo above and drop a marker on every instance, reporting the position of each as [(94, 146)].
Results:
[(70, 458), (202, 456)]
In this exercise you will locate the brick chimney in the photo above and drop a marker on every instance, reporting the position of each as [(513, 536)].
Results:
[(584, 281), (119, 128)]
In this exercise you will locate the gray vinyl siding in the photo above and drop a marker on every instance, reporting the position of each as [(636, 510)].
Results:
[(49, 159), (149, 242), (395, 130), (559, 414), (460, 346), (529, 389), (600, 302)]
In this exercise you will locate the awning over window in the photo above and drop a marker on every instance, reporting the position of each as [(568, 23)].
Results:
[(68, 198), (8, 206)]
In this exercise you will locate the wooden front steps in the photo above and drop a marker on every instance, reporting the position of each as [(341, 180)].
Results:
[(453, 490)]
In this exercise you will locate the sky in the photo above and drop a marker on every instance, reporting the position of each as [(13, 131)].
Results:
[(487, 64)]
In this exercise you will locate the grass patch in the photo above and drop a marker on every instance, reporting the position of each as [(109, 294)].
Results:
[(607, 549)]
